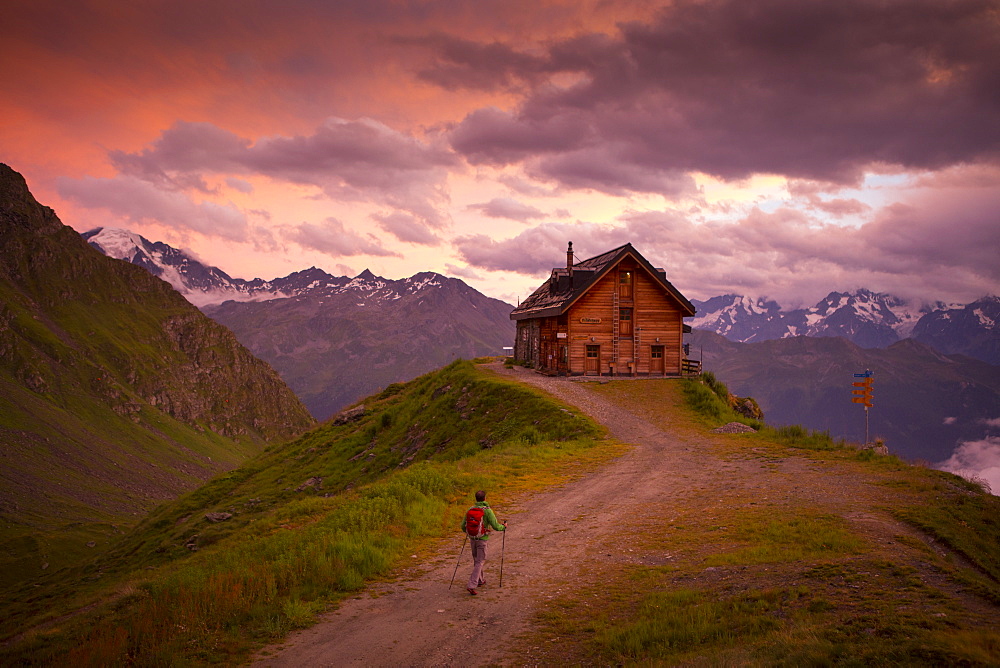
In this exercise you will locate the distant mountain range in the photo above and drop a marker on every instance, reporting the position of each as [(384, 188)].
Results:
[(336, 339), (867, 319), (925, 403), (333, 339)]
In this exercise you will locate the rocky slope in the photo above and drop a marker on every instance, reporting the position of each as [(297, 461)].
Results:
[(116, 392)]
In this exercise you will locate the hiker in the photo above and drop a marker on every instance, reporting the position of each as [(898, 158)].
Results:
[(478, 521)]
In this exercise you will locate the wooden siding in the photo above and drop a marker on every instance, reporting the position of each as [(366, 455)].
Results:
[(558, 344), (655, 315)]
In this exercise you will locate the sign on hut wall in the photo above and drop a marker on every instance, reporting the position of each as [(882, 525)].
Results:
[(590, 321)]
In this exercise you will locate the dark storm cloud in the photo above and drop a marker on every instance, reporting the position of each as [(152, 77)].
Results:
[(816, 90), (463, 63)]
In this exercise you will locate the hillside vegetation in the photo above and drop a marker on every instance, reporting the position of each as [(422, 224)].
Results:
[(115, 393), (307, 521), (786, 548)]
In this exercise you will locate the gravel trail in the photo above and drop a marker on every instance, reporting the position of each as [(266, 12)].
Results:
[(416, 620)]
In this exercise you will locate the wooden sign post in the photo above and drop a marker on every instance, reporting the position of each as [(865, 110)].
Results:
[(863, 394)]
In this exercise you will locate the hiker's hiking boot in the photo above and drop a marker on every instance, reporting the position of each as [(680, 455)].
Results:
[(482, 583), (472, 591)]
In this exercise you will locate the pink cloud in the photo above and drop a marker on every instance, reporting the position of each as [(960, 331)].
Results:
[(138, 201), (507, 207), (333, 238)]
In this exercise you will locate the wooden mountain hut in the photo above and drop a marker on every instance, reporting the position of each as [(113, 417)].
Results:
[(614, 314)]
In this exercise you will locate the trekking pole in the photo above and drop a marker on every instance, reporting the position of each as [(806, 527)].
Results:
[(503, 544), (460, 561)]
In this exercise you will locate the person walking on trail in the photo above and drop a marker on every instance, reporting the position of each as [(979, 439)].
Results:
[(478, 521)]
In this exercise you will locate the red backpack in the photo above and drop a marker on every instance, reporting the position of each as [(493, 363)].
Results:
[(475, 522)]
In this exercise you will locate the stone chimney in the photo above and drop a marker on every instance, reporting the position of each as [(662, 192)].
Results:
[(569, 259)]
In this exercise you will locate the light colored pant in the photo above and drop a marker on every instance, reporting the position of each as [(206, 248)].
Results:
[(478, 561)]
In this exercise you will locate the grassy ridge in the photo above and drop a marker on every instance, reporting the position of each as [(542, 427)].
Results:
[(310, 520), (779, 581)]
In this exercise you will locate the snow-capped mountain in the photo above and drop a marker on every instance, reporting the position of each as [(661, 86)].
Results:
[(333, 339), (978, 323), (868, 319), (201, 284), (741, 319)]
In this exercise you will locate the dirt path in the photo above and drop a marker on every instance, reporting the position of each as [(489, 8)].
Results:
[(418, 621)]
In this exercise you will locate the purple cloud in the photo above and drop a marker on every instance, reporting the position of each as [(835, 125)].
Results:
[(977, 460), (465, 64), (938, 247), (810, 90), (334, 239), (355, 160), (408, 228), (507, 207)]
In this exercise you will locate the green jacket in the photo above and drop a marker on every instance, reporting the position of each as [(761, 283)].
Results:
[(491, 519)]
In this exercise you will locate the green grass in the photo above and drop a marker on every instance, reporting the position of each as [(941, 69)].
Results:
[(762, 538), (779, 581), (392, 481)]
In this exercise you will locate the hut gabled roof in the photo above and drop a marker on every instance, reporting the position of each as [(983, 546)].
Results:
[(562, 289)]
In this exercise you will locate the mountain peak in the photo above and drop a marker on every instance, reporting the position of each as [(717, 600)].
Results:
[(27, 213), (366, 275)]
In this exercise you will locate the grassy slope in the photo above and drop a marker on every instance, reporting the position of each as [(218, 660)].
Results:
[(63, 493), (763, 581), (311, 519), (115, 393), (748, 584)]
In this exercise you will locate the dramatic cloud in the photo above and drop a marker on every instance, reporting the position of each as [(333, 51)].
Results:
[(786, 252), (977, 460), (774, 147), (730, 88), (534, 251), (463, 63)]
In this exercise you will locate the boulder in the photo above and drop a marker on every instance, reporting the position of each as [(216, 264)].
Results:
[(350, 415)]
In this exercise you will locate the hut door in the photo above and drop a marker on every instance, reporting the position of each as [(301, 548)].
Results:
[(593, 363), (625, 284), (625, 322), (656, 359)]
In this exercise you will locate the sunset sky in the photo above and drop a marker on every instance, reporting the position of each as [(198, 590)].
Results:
[(784, 148)]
